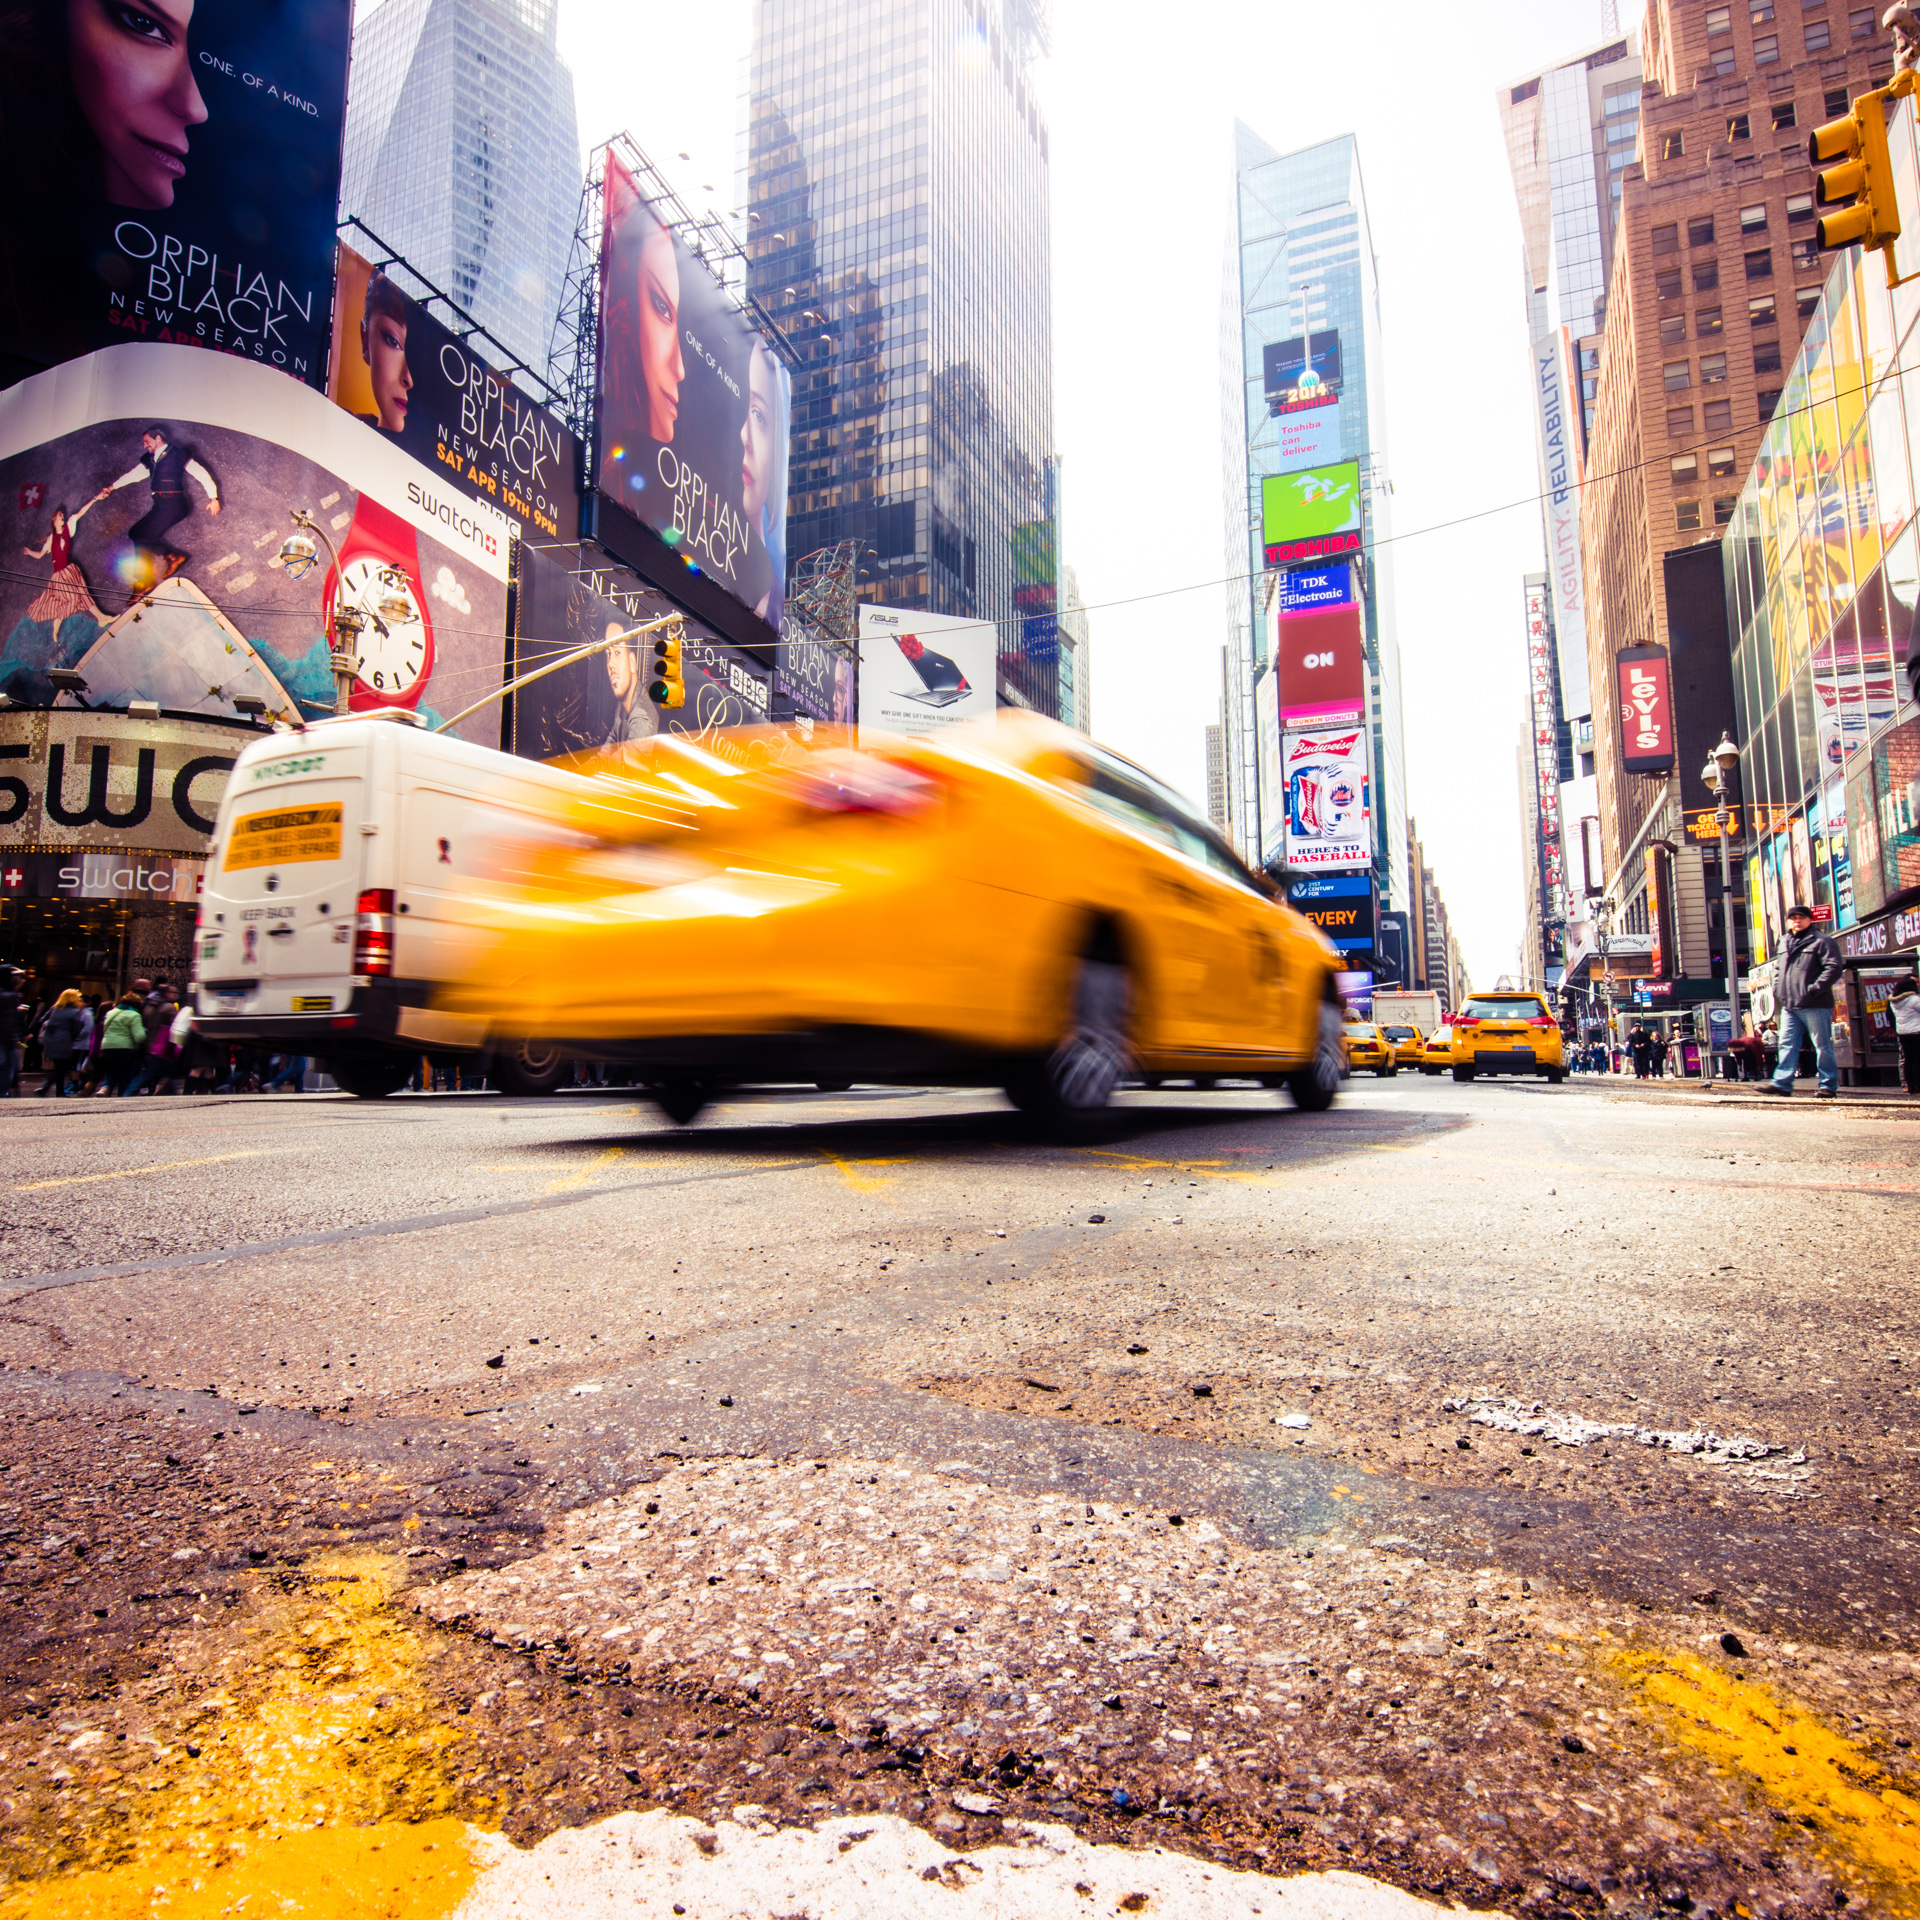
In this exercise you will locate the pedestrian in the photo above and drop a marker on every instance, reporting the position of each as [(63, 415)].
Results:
[(60, 1038), (1657, 1052), (87, 1071), (12, 1012), (157, 1018), (1640, 1045), (292, 1073), (123, 1044), (1904, 1004), (1807, 969)]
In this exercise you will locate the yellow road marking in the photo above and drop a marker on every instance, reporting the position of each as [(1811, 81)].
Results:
[(587, 1175), (1801, 1765), (159, 1166), (848, 1170)]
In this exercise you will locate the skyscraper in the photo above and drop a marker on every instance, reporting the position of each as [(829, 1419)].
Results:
[(898, 232), (462, 155), (1300, 273)]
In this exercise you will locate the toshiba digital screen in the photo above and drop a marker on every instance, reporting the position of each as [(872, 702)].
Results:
[(1310, 515)]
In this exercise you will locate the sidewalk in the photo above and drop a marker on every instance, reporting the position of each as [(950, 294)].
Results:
[(1887, 1101)]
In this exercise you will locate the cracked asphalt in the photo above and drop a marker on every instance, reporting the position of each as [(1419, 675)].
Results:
[(1476, 1486)]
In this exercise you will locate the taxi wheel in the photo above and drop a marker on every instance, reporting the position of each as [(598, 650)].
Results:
[(1463, 1073), (1555, 1075), (832, 1086), (527, 1067), (1077, 1079), (1313, 1087), (680, 1100)]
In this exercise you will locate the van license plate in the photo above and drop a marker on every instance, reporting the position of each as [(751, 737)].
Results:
[(313, 1003)]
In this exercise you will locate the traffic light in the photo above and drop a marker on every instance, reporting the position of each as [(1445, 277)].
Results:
[(1857, 180), (668, 687)]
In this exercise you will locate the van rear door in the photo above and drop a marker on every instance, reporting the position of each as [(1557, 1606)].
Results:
[(277, 915)]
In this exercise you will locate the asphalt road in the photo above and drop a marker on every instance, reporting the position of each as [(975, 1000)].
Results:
[(1507, 1490)]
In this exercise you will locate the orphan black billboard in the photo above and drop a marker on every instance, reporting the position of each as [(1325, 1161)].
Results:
[(694, 407), (173, 169)]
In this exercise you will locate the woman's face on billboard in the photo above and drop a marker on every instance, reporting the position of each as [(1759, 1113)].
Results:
[(134, 83), (387, 367), (660, 360), (756, 436)]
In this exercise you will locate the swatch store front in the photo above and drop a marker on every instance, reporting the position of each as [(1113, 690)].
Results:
[(1822, 569)]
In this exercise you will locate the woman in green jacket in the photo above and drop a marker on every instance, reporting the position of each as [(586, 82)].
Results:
[(123, 1040)]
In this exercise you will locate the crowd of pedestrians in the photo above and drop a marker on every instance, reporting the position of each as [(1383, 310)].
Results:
[(144, 1042)]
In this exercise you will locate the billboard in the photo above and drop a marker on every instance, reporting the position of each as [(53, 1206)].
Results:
[(149, 490), (1560, 495), (923, 671), (172, 176), (1317, 642), (1550, 854), (694, 406), (1273, 787), (1301, 371), (1341, 905), (1311, 515), (813, 680), (600, 704), (1329, 828), (418, 385), (1646, 710)]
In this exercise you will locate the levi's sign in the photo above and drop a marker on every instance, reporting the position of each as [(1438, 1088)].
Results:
[(1646, 710)]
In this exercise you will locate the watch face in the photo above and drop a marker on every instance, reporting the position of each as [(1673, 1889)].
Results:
[(393, 646)]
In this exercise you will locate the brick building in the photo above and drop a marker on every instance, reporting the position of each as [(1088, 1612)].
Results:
[(1715, 270)]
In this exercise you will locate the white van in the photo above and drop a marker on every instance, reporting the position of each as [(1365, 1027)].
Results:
[(338, 897)]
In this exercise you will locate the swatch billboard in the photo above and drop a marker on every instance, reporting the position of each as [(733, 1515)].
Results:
[(1310, 515), (420, 386), (173, 171), (694, 406)]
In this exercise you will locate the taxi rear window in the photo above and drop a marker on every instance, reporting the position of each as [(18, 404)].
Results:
[(1520, 1007)]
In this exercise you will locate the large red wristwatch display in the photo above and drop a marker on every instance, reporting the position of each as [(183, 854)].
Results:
[(380, 574)]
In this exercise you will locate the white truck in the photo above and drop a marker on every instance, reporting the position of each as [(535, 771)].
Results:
[(1419, 1009), (339, 895)]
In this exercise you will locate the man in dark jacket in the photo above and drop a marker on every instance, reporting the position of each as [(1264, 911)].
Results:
[(1806, 971), (12, 1030)]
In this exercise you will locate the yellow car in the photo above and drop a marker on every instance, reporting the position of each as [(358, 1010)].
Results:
[(1001, 904), (1508, 1033), (1369, 1047), (1436, 1055), (1409, 1048)]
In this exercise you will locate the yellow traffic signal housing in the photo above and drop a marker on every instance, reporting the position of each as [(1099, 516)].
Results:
[(1856, 180), (668, 687)]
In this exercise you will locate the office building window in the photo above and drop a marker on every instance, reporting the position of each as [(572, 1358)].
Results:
[(1684, 468), (1760, 265), (1665, 239), (1761, 311), (1766, 49), (1799, 209), (1806, 254), (1860, 23), (1782, 115), (1719, 20), (1666, 283), (1721, 64), (1819, 35), (1753, 220), (1707, 321), (1720, 462), (1838, 101), (1739, 127), (1677, 374), (1713, 369), (1759, 11), (1718, 416), (1679, 423), (1766, 356), (1673, 330), (1706, 275), (1805, 299), (1673, 146), (1700, 231), (1769, 398), (1723, 508), (1686, 515)]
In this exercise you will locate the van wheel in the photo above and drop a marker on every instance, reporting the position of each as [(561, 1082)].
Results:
[(528, 1067), (1077, 1079), (371, 1079), (833, 1086), (680, 1100), (1313, 1087)]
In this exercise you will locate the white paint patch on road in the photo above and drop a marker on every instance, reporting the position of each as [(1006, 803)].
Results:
[(877, 1867)]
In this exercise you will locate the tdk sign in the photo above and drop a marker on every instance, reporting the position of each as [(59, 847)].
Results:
[(1309, 589)]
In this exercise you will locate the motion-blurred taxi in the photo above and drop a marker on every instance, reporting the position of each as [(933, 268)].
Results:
[(1368, 1049), (1436, 1055), (1003, 904), (1409, 1047), (1508, 1033)]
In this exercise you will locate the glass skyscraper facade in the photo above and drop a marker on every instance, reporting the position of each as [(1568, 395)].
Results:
[(1300, 262), (898, 232), (461, 153)]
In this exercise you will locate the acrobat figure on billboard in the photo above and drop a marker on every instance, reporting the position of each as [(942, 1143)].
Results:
[(67, 592), (168, 467)]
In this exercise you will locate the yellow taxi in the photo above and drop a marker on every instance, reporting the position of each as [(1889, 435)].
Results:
[(1369, 1048), (1000, 904), (1436, 1054), (1507, 1033), (1408, 1045)]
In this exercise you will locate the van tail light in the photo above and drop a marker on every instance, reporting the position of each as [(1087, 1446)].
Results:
[(373, 932)]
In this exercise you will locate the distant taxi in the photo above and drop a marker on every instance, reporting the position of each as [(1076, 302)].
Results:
[(1436, 1056), (1368, 1048), (1508, 1033), (1408, 1045)]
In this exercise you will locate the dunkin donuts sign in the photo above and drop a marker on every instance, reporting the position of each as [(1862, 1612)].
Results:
[(1646, 710)]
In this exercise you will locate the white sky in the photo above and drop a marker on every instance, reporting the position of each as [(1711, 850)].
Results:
[(1141, 102)]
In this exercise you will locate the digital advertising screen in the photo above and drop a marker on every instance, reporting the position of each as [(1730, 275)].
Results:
[(920, 672), (1329, 828), (1301, 370), (1646, 710), (1310, 515), (148, 491), (416, 383), (173, 173), (694, 406), (1273, 786), (1317, 641), (1341, 905)]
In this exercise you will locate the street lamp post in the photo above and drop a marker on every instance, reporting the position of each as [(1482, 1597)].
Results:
[(1717, 775), (350, 619)]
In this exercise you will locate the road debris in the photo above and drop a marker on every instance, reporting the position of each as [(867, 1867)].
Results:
[(1538, 1422)]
